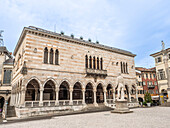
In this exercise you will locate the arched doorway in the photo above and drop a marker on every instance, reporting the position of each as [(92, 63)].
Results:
[(89, 98), (109, 94), (64, 91), (2, 100), (49, 91), (32, 91), (99, 94), (77, 91), (140, 99)]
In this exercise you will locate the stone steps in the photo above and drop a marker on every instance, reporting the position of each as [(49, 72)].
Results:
[(100, 107)]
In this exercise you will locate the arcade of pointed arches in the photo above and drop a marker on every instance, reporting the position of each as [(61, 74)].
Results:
[(48, 94)]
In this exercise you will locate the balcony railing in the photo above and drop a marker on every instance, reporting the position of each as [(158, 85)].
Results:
[(96, 72), (49, 103), (151, 86), (64, 102), (31, 103), (77, 102)]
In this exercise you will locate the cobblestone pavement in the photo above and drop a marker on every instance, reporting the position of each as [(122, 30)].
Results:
[(155, 117)]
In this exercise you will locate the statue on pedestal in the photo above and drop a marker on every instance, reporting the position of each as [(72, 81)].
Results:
[(120, 88)]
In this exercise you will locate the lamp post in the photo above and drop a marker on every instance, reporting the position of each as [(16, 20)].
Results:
[(165, 60)]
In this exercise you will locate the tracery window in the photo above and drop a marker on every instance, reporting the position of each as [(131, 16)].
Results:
[(51, 56), (45, 55), (56, 57), (86, 60)]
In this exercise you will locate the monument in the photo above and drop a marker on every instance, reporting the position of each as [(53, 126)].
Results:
[(121, 103)]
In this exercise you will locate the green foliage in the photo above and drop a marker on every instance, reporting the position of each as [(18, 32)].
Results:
[(148, 98), (144, 103)]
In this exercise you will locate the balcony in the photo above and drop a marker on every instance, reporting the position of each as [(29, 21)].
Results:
[(96, 72), (151, 86)]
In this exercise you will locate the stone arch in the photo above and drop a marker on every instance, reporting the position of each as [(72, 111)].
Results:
[(49, 90), (64, 91), (77, 91), (100, 82), (109, 94), (2, 102), (32, 90), (66, 80), (91, 82), (89, 95), (53, 80), (32, 78), (100, 93), (82, 85)]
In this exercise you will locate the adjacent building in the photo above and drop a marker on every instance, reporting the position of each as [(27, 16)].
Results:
[(149, 82), (161, 70), (6, 67), (139, 86), (54, 72)]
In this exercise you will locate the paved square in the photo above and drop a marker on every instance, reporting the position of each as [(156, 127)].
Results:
[(155, 117)]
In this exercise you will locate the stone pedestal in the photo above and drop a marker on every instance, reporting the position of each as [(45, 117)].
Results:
[(121, 107)]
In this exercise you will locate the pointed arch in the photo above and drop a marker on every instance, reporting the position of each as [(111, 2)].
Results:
[(45, 55), (51, 56), (101, 63), (97, 62), (90, 62), (94, 62), (86, 61), (56, 57)]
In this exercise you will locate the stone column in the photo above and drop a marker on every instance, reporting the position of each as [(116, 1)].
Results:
[(16, 99), (130, 95), (71, 96), (41, 97), (136, 94), (94, 92), (104, 90), (114, 97), (23, 97), (19, 98), (56, 101), (83, 92)]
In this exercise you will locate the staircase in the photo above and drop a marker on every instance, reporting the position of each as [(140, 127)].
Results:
[(11, 111), (99, 108)]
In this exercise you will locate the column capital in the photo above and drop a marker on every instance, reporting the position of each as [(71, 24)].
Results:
[(83, 89), (94, 90)]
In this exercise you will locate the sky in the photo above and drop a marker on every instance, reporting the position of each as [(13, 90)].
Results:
[(138, 26)]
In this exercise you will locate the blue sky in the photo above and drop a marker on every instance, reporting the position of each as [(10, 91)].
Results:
[(134, 25)]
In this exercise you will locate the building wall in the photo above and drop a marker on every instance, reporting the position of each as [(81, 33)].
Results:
[(71, 61)]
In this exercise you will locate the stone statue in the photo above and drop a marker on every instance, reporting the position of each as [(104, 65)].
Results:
[(121, 87), (163, 45)]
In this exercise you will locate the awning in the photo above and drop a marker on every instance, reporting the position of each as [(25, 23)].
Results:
[(155, 97)]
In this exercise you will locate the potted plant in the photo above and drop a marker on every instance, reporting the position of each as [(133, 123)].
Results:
[(148, 99)]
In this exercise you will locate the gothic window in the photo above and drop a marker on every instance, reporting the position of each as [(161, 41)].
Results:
[(86, 60), (46, 55), (121, 67), (101, 63), (56, 56), (51, 56), (94, 62), (97, 62), (126, 68), (7, 77), (90, 62)]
